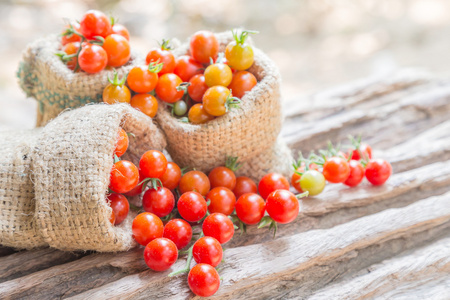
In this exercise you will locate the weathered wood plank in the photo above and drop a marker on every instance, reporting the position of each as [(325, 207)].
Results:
[(251, 272), (6, 251), (430, 264)]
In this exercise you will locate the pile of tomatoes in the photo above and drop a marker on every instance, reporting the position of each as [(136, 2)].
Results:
[(336, 166), (94, 43)]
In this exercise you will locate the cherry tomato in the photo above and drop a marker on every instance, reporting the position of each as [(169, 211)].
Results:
[(180, 108), (197, 87), (186, 67), (160, 254), (364, 152), (146, 227), (178, 231), (162, 55), (166, 89), (124, 177), (356, 173), (241, 83), (313, 182), (137, 190), (69, 49), (121, 30), (250, 208), (92, 58), (143, 79), (198, 115), (282, 206), (295, 179), (112, 218), (71, 38), (217, 100), (153, 164), (239, 53), (195, 181), (203, 280), (159, 202), (207, 250), (171, 178), (118, 50), (378, 171), (145, 103), (95, 23), (243, 186), (204, 46), (336, 170), (222, 176), (116, 91), (192, 206), (219, 227), (218, 74), (271, 182), (222, 201), (120, 207)]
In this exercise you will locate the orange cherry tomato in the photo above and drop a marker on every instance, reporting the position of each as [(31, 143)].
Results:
[(166, 90), (194, 181), (145, 103), (121, 143), (92, 58), (198, 115), (197, 87), (116, 91), (121, 30), (69, 36), (186, 67), (238, 53), (241, 83), (118, 50), (69, 49), (204, 46), (217, 100), (143, 79), (218, 74)]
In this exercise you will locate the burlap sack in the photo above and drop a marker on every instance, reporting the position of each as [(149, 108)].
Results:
[(65, 167), (249, 132), (43, 76)]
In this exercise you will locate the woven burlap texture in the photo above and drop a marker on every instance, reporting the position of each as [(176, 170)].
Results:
[(17, 204), (43, 76), (249, 132)]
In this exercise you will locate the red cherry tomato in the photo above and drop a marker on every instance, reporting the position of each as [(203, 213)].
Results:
[(207, 250), (71, 38), (356, 173), (95, 23), (153, 164), (222, 201), (121, 30), (146, 227), (69, 49), (159, 55), (192, 206), (378, 171), (160, 254), (364, 152), (137, 190), (336, 170), (120, 207), (250, 208), (222, 176), (171, 178), (92, 58), (121, 143), (118, 50), (112, 218), (186, 67), (145, 103), (243, 186), (159, 202), (143, 79), (124, 177), (219, 227), (197, 87), (166, 89), (282, 206), (241, 83), (204, 46), (195, 181), (203, 280), (178, 231), (272, 182)]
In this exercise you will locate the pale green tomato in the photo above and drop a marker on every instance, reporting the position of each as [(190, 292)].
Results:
[(312, 181)]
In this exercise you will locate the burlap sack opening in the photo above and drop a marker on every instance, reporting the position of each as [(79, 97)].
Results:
[(43, 76), (249, 132)]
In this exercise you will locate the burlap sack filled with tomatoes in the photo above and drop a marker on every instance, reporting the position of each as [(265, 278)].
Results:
[(250, 132), (43, 76)]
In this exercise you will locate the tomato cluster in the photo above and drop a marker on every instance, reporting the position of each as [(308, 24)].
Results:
[(335, 166), (94, 43)]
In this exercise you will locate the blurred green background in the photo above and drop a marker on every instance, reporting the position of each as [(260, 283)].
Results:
[(316, 43)]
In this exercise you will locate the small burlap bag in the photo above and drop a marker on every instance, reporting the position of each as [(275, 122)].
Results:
[(43, 76), (17, 204), (249, 132)]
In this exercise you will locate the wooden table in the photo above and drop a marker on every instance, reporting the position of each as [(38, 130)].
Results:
[(391, 241)]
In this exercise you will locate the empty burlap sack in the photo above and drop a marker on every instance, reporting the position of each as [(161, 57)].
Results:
[(249, 132), (43, 76)]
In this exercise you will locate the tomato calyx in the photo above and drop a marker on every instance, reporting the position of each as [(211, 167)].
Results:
[(165, 45), (155, 67), (241, 36), (99, 40), (187, 267), (241, 225), (268, 221), (153, 183), (69, 32), (116, 82), (232, 102), (232, 163)]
